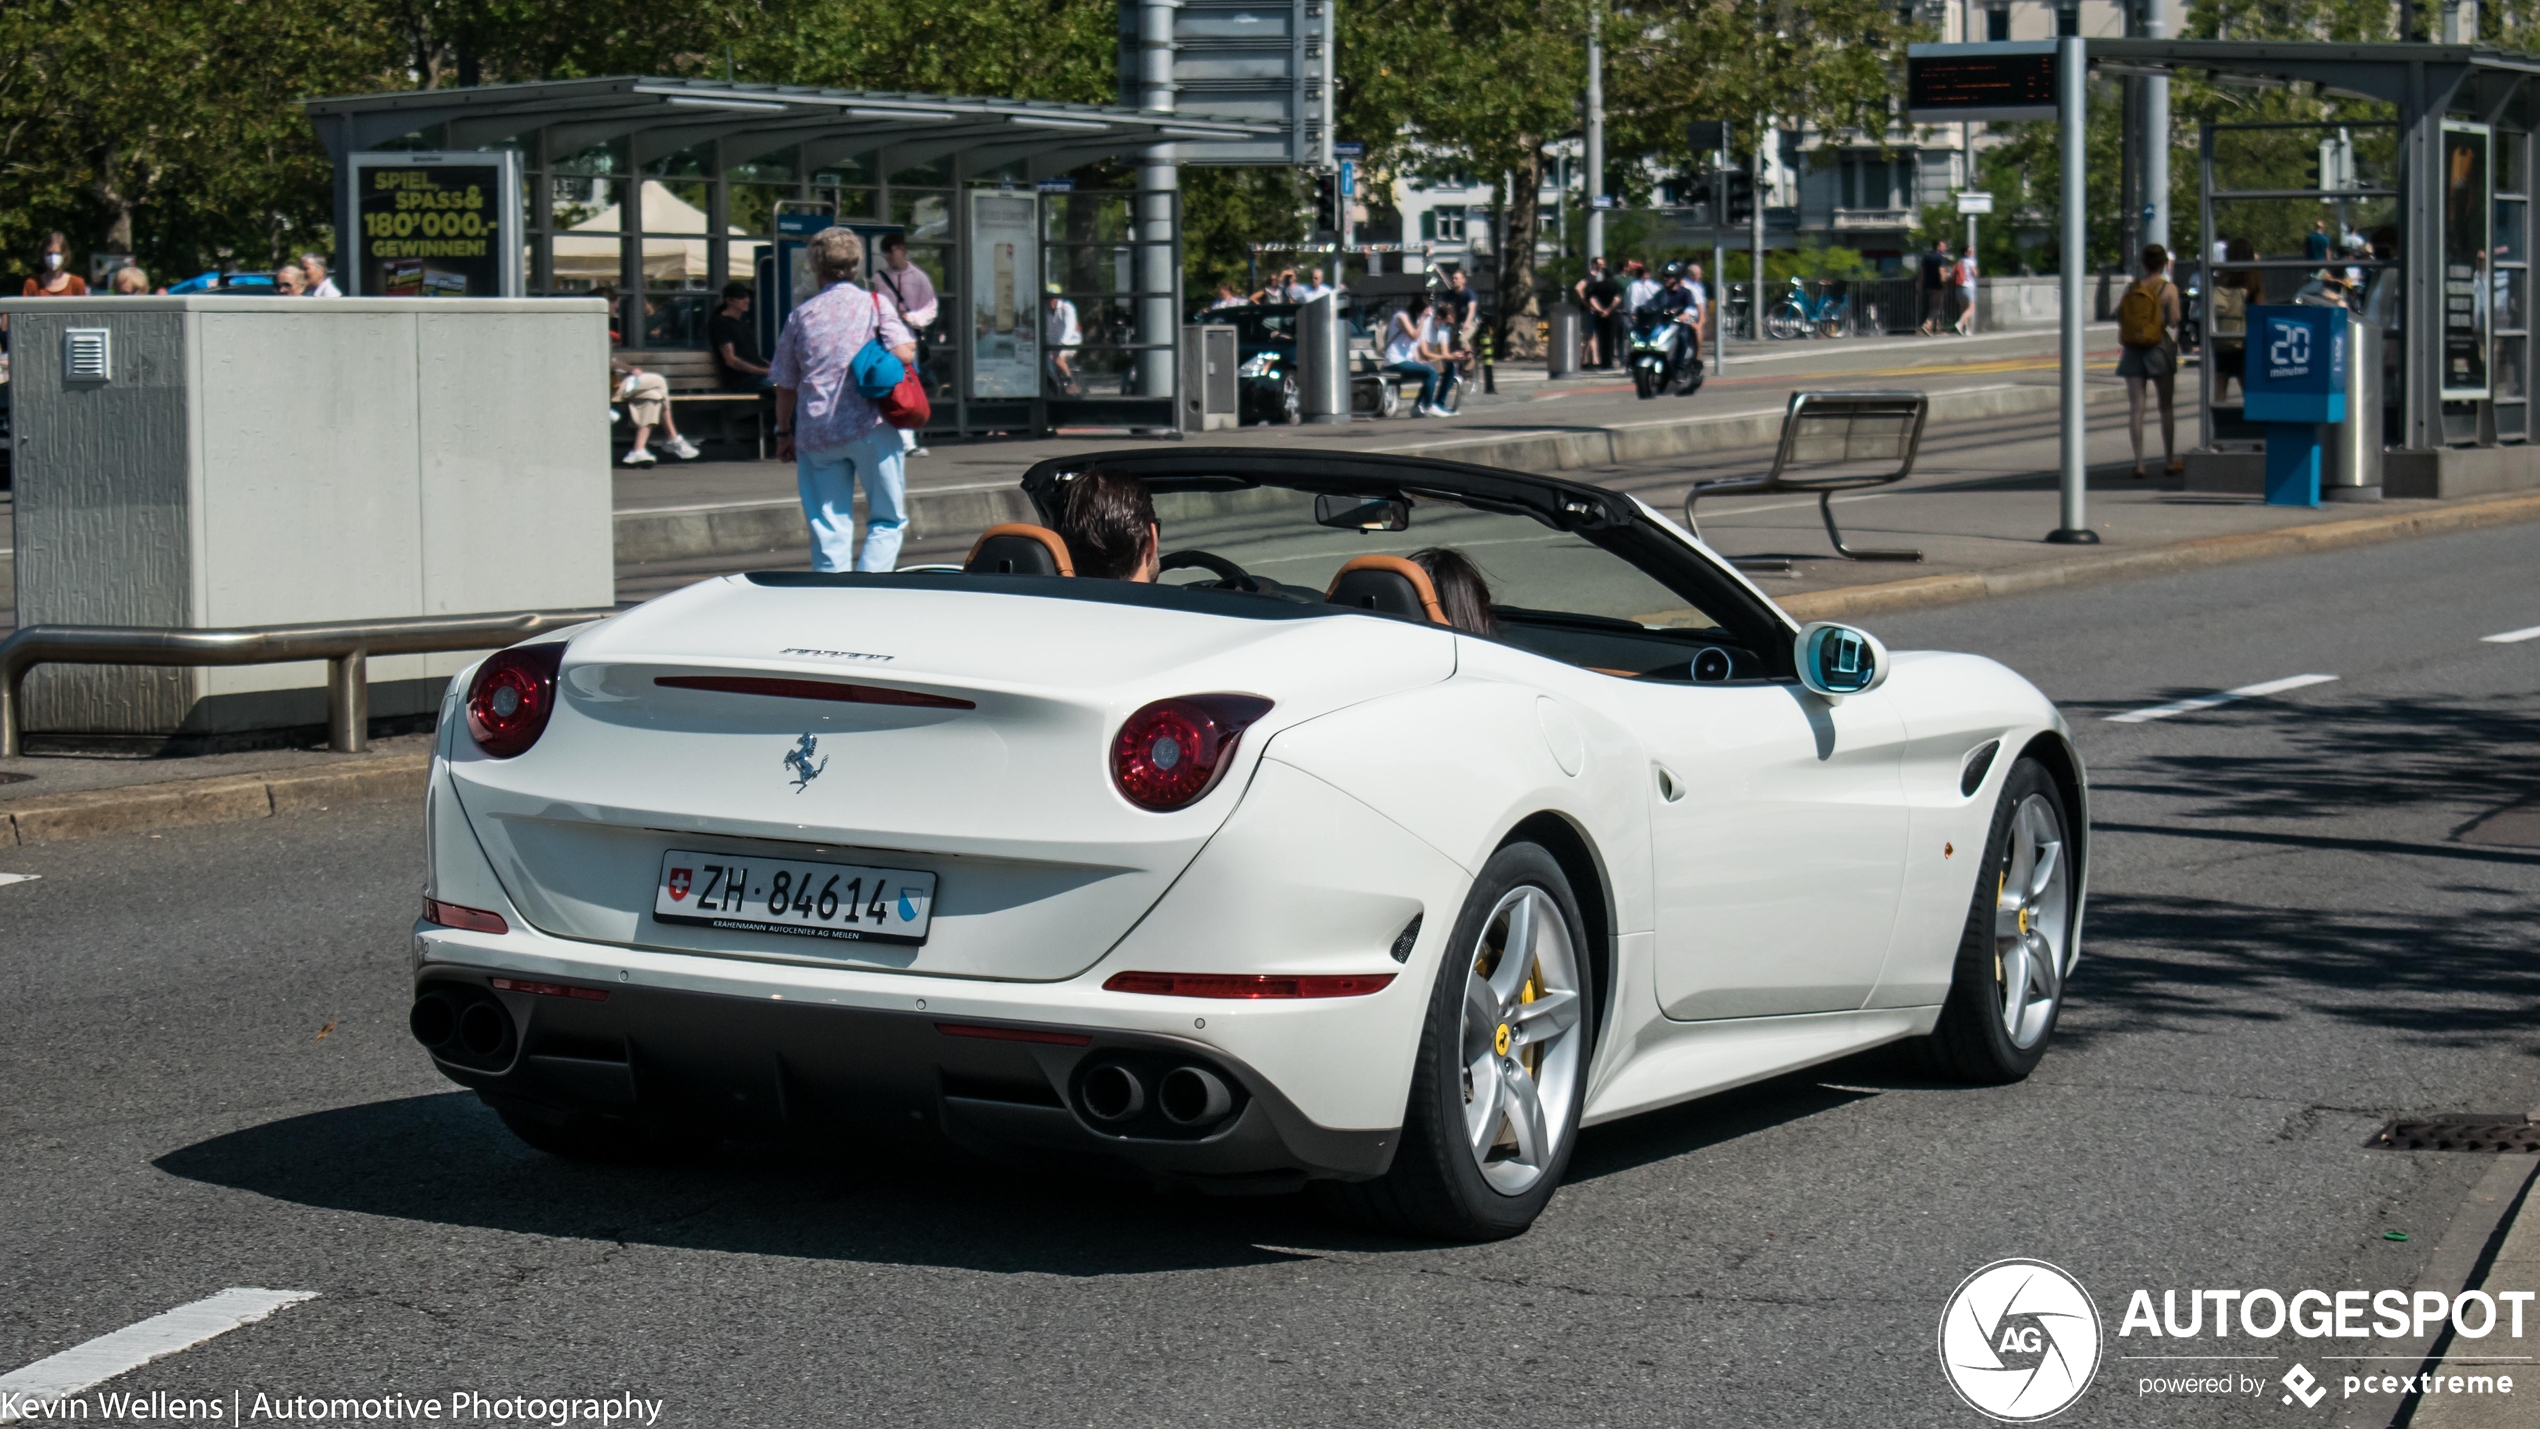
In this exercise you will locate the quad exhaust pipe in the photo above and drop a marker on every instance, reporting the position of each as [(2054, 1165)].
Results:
[(463, 1024), (1187, 1096)]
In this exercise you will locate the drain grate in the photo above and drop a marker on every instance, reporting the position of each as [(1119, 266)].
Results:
[(2470, 1132)]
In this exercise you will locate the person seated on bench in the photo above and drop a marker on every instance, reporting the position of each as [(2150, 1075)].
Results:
[(1462, 592), (647, 398), (1108, 522), (734, 340)]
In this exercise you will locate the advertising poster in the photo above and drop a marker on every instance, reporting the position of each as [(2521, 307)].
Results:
[(1005, 231), (436, 225), (2468, 206)]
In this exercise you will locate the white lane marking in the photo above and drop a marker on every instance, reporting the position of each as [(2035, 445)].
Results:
[(8, 878), (133, 1346), (2512, 637), (2206, 702)]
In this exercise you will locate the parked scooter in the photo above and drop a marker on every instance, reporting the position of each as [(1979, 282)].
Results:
[(1663, 355)]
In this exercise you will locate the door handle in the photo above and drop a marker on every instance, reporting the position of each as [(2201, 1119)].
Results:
[(1670, 788)]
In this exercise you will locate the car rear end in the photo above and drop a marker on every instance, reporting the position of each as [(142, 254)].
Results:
[(919, 854)]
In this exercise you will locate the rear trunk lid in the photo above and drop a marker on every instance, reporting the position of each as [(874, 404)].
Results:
[(1041, 864)]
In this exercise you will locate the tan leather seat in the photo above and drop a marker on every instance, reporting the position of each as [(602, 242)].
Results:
[(1017, 549), (1388, 585)]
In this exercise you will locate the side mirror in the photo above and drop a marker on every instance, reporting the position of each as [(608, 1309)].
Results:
[(1362, 513), (1837, 660)]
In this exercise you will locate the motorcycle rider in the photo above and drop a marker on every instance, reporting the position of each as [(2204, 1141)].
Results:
[(1677, 302)]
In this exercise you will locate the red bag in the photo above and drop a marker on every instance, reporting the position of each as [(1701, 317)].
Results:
[(907, 406)]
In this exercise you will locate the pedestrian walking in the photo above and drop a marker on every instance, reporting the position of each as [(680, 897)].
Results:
[(321, 283), (1313, 287), (1933, 283), (130, 281), (2147, 328), (290, 281), (914, 291), (1061, 335), (1966, 275), (832, 434)]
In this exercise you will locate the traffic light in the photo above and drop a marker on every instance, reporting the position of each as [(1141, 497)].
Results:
[(1741, 197), (1327, 209)]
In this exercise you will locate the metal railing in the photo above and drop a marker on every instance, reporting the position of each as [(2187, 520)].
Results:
[(346, 646)]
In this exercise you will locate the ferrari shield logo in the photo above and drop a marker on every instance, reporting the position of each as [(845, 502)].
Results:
[(678, 884)]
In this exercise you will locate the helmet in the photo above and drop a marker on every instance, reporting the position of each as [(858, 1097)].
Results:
[(1674, 270)]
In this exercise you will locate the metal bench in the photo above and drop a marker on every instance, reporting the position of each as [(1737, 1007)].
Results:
[(1822, 434)]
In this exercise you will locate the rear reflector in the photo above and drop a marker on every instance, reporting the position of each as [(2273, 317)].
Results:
[(1013, 1034), (811, 690), (452, 915), (1247, 985), (549, 989)]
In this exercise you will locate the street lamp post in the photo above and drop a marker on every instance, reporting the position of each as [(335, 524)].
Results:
[(2072, 73), (1595, 134)]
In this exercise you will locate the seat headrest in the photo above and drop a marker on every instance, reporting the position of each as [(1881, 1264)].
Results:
[(1388, 585), (1015, 549)]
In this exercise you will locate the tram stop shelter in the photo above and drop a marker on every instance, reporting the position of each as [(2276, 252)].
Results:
[(2433, 172), (657, 192)]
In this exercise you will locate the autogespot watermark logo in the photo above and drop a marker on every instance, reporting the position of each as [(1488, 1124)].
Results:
[(2019, 1341)]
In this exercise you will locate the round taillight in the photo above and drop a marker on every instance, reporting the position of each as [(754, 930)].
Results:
[(514, 692), (1172, 751)]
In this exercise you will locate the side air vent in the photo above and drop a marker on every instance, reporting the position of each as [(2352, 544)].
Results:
[(1979, 764), (88, 355)]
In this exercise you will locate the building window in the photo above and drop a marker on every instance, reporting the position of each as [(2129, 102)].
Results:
[(1443, 224), (1997, 23), (2068, 19), (1868, 181)]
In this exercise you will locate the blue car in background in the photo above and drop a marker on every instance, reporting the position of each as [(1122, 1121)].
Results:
[(247, 285)]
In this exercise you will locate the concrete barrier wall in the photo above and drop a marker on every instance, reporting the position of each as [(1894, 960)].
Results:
[(255, 461)]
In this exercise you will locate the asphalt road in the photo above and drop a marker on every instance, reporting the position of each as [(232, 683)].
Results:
[(206, 1082)]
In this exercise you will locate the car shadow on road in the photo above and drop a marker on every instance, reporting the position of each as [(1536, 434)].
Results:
[(445, 1158)]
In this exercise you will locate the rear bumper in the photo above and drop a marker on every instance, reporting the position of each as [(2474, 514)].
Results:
[(755, 1067)]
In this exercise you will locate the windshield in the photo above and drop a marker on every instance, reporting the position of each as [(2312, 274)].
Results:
[(1270, 532)]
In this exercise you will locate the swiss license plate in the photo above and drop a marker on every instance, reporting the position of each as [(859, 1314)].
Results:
[(794, 896)]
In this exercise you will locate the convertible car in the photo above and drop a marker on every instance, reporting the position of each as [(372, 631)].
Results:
[(1259, 875)]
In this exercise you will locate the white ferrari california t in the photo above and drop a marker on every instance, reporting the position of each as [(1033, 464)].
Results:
[(1370, 821)]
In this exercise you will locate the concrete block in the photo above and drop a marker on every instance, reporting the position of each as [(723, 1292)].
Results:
[(258, 461)]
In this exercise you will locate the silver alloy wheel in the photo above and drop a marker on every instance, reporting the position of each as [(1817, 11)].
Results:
[(1520, 1040), (2032, 913)]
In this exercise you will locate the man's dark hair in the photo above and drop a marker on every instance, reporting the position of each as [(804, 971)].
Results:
[(738, 290), (1105, 518), (1463, 593), (894, 239)]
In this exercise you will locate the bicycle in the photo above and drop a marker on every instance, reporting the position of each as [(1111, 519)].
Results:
[(1829, 314)]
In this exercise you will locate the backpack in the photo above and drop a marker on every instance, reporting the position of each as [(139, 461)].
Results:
[(2139, 316), (2231, 312)]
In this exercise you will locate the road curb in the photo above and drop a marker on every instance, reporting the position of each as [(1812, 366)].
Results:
[(221, 799), (1890, 597), (743, 528)]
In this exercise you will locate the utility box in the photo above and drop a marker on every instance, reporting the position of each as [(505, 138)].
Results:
[(224, 461), (1210, 387), (1322, 360)]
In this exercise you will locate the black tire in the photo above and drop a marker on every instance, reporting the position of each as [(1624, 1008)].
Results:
[(590, 1138), (1971, 1042), (1642, 384), (1434, 1188)]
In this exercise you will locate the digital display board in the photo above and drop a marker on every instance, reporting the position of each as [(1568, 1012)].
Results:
[(1994, 82), (2469, 205), (2295, 371)]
